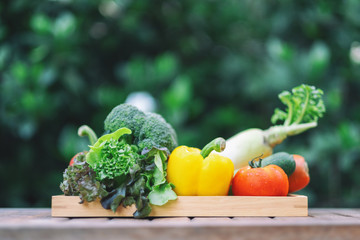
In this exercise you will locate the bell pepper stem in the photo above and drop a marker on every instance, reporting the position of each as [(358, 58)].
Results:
[(218, 144), (85, 130)]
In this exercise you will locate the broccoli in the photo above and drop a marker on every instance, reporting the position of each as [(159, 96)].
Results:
[(149, 129), (156, 132), (125, 115)]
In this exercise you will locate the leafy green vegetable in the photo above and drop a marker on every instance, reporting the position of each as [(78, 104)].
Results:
[(95, 154), (130, 162), (156, 132), (80, 180), (161, 194), (161, 190), (128, 194), (149, 129), (130, 177), (146, 186), (125, 115), (304, 105), (117, 160), (114, 198)]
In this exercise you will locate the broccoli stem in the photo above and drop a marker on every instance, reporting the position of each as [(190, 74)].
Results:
[(276, 134), (218, 144), (85, 130)]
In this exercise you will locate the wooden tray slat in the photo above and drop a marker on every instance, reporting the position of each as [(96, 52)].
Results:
[(191, 206)]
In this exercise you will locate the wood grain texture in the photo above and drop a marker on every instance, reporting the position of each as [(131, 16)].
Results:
[(191, 206), (327, 224)]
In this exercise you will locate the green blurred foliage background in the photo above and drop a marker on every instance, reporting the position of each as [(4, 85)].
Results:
[(214, 68)]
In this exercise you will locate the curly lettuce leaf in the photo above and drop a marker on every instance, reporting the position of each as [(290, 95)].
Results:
[(113, 159), (80, 180), (304, 105), (94, 154)]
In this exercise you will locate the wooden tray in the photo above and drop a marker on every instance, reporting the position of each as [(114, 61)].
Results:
[(191, 206)]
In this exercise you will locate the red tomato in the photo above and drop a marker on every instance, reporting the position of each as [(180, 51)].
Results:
[(72, 160), (74, 157), (300, 178), (266, 181)]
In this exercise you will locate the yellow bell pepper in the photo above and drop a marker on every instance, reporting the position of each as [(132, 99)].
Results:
[(196, 172)]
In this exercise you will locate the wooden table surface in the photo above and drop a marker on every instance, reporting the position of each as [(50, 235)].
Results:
[(320, 224)]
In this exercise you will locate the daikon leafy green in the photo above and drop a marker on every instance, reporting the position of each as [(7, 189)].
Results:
[(304, 105)]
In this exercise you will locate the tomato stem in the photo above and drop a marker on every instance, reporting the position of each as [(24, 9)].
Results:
[(256, 164)]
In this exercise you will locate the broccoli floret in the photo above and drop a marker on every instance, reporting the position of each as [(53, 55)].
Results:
[(125, 115), (148, 129), (156, 132)]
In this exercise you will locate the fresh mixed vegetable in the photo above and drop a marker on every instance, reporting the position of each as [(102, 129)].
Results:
[(255, 180), (149, 129), (138, 161), (300, 178), (275, 175), (304, 107), (122, 167), (80, 180), (282, 159), (198, 172)]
